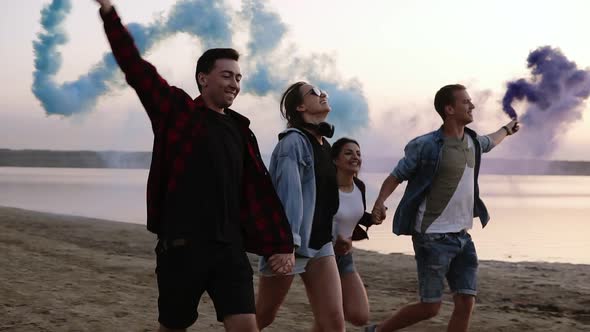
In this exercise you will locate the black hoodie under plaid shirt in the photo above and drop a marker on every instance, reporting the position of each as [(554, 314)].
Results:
[(177, 123)]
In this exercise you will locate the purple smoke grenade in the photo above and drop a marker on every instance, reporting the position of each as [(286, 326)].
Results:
[(554, 79)]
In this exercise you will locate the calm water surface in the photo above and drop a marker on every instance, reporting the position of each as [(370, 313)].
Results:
[(534, 218)]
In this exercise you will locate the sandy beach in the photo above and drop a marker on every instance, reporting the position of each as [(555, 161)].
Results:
[(65, 273)]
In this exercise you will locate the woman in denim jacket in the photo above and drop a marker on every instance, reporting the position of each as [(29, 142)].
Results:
[(304, 177)]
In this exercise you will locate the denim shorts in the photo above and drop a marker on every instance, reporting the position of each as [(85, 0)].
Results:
[(300, 261), (345, 264), (441, 256)]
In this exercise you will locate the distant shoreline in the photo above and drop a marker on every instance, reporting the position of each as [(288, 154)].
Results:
[(142, 160)]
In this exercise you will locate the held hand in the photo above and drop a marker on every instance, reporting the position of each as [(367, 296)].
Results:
[(342, 246), (282, 263), (377, 219), (105, 5), (512, 127), (379, 213)]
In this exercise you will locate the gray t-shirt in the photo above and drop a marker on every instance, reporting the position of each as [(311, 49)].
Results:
[(448, 207)]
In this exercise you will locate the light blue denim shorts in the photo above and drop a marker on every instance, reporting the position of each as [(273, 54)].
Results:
[(345, 263), (300, 262)]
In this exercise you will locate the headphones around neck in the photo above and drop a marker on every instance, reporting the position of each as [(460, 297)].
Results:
[(323, 128)]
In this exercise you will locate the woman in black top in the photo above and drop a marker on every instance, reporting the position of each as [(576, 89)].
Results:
[(304, 177)]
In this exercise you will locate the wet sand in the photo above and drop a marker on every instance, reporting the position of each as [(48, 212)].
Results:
[(66, 273)]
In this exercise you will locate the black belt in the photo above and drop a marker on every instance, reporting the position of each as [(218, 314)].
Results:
[(459, 233), (165, 244), (462, 232)]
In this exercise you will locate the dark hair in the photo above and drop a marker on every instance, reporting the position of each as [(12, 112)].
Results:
[(446, 96), (339, 145), (206, 61), (289, 101)]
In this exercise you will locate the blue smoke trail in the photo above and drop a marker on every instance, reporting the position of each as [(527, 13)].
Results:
[(210, 21), (81, 95), (69, 97), (205, 19), (266, 33), (555, 93), (261, 82), (267, 30), (350, 111)]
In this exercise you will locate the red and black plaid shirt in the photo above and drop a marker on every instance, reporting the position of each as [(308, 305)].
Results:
[(178, 124)]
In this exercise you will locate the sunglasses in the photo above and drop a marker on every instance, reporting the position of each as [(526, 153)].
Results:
[(316, 91)]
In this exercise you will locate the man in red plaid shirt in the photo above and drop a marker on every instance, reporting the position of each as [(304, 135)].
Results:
[(209, 196)]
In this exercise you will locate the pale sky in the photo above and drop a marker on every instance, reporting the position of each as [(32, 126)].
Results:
[(401, 52)]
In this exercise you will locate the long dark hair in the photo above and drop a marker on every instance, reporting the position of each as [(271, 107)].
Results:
[(339, 145), (289, 101)]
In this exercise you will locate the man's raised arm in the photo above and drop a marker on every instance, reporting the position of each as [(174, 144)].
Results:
[(153, 91)]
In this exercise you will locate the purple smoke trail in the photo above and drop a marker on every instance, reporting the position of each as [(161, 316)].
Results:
[(555, 93)]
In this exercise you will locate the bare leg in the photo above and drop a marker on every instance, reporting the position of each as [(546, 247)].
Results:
[(461, 313), (409, 315), (354, 296), (271, 294), (240, 323), (324, 291)]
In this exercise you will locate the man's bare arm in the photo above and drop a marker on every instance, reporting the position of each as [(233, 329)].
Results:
[(498, 136), (387, 188)]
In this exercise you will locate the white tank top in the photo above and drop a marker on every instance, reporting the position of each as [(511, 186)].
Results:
[(350, 211)]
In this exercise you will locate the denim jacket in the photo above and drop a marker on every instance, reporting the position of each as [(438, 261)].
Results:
[(419, 166), (293, 176)]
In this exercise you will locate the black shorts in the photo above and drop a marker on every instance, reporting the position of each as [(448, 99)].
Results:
[(185, 272)]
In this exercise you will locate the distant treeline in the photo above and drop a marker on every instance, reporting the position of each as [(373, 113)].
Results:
[(141, 160), (501, 166), (75, 159)]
